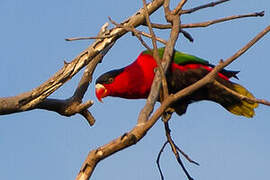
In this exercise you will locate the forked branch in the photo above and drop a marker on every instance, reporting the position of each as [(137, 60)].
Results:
[(38, 97), (138, 132), (91, 56), (175, 149), (210, 22)]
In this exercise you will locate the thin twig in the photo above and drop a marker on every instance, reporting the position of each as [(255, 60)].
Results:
[(137, 33), (133, 30), (174, 19), (179, 7), (186, 156), (155, 52), (168, 26), (244, 49), (153, 36), (165, 118), (242, 97), (149, 36), (174, 149), (211, 4), (158, 158), (208, 23), (109, 36), (87, 38)]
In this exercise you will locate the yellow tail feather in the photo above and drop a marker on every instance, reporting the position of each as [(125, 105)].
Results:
[(243, 108)]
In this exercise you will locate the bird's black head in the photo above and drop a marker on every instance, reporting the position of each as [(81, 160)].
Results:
[(108, 77), (103, 81)]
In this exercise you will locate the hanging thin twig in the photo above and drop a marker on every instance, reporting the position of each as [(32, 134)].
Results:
[(158, 158)]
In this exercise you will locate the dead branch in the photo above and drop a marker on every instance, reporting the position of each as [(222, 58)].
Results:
[(210, 77), (179, 7), (211, 4), (155, 88), (103, 37), (242, 97), (138, 132), (137, 33), (186, 156), (158, 158), (174, 149), (165, 118), (144, 122), (134, 31), (68, 107), (91, 56), (208, 23), (155, 52), (143, 125), (73, 105), (87, 38), (30, 100)]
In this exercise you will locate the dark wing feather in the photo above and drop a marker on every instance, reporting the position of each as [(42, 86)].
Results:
[(178, 80)]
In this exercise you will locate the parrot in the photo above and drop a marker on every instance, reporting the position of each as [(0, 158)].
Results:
[(134, 82)]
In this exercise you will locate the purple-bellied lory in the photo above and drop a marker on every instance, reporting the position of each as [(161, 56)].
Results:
[(134, 82)]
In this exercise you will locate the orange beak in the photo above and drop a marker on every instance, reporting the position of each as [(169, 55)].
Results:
[(101, 92)]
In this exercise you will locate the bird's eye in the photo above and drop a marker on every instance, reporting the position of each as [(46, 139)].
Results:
[(110, 80)]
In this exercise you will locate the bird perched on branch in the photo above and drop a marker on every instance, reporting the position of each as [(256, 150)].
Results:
[(134, 81)]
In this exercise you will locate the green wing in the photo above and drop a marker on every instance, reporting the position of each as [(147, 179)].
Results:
[(181, 58)]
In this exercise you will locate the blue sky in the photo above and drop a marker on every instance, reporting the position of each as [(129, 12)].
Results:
[(48, 146)]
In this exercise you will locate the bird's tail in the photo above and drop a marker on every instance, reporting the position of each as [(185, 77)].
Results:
[(241, 107)]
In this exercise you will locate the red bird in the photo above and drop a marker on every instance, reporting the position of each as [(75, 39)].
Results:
[(134, 81)]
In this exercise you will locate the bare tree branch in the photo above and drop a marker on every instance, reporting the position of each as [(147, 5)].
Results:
[(119, 25), (73, 105), (186, 156), (212, 4), (68, 107), (87, 38), (155, 88), (158, 158), (210, 77), (179, 7), (134, 31), (91, 56), (208, 23), (30, 100), (174, 149), (242, 97), (141, 129), (155, 52)]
